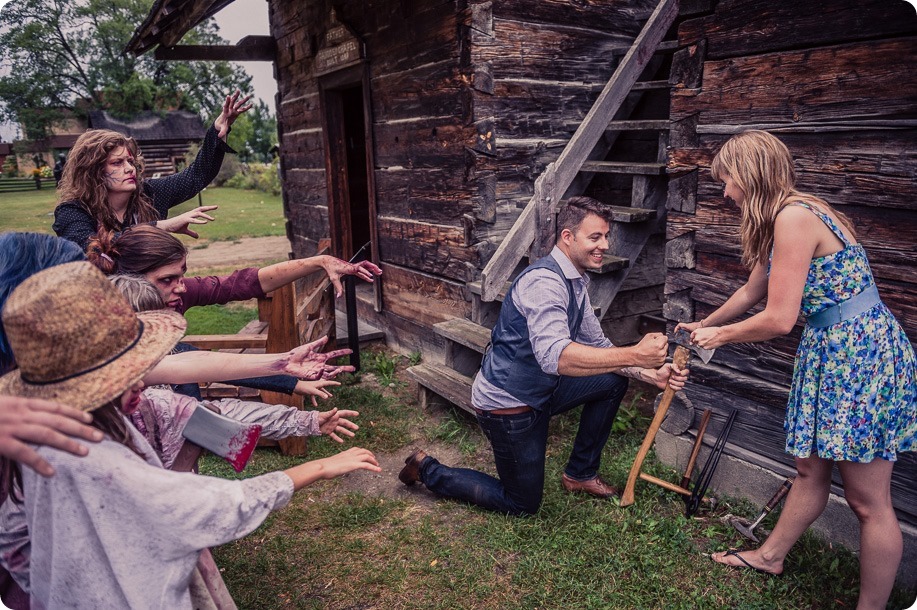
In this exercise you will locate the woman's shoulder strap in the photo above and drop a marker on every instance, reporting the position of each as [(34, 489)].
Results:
[(829, 222)]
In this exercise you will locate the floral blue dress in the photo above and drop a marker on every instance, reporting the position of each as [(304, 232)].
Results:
[(854, 390)]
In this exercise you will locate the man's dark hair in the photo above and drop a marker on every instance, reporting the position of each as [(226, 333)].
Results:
[(572, 215)]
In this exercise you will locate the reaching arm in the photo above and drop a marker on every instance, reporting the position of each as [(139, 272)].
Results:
[(795, 241), (578, 360), (281, 274), (331, 467)]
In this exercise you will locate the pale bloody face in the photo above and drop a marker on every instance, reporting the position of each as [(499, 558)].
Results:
[(169, 281), (120, 173), (130, 400), (732, 191), (587, 245)]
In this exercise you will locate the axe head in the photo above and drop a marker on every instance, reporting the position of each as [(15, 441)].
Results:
[(683, 338), (232, 440)]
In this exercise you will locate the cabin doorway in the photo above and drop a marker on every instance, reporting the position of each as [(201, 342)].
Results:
[(349, 169)]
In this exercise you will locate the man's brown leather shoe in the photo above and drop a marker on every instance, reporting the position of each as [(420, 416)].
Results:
[(410, 474), (596, 487)]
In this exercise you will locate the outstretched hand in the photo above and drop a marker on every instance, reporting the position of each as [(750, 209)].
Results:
[(306, 362), (672, 376), (30, 420), (337, 268), (334, 421), (315, 389), (348, 461), (232, 108), (182, 222)]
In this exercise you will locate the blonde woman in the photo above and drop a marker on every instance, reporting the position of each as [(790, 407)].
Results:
[(852, 400)]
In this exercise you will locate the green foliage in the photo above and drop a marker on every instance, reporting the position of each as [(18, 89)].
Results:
[(220, 319), (383, 365), (264, 177), (414, 358), (628, 416), (65, 56), (254, 135)]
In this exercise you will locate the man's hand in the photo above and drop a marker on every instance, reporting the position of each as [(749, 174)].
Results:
[(232, 108), (30, 420), (306, 362), (336, 268), (670, 375), (334, 421), (180, 223), (650, 353)]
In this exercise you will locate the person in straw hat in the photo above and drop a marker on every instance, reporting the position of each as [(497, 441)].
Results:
[(77, 341)]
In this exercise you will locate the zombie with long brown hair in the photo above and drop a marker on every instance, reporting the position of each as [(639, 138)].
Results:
[(102, 187), (853, 400)]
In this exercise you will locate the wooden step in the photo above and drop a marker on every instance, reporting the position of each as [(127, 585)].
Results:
[(610, 264), (453, 386), (627, 215), (646, 125), (650, 85), (464, 332), (475, 288), (666, 46), (619, 167)]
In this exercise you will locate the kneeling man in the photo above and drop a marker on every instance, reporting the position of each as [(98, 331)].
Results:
[(548, 354)]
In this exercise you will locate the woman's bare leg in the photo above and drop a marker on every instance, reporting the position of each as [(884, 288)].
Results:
[(867, 488), (805, 502)]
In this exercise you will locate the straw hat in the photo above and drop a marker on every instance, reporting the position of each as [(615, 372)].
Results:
[(77, 340)]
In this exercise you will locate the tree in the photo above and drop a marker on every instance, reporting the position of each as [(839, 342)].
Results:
[(66, 55)]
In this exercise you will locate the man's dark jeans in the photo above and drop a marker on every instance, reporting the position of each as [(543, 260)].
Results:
[(520, 442)]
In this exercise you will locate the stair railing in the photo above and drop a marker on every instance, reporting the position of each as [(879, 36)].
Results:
[(536, 224)]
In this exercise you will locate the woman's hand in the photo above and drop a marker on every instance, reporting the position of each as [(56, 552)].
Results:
[(315, 389), (708, 337), (348, 461), (690, 327), (232, 108), (334, 421), (306, 362), (336, 268), (670, 375), (180, 223), (30, 420)]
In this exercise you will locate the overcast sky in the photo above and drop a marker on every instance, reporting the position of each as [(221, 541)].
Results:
[(239, 19)]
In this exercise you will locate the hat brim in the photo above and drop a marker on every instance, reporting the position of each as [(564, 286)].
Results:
[(162, 329)]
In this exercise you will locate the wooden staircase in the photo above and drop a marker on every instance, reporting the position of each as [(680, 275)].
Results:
[(589, 159)]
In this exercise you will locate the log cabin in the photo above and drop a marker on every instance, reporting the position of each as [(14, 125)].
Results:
[(444, 134)]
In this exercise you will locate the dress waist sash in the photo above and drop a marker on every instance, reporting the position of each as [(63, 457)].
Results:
[(850, 308)]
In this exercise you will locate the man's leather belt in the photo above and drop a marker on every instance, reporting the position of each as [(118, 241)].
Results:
[(510, 411)]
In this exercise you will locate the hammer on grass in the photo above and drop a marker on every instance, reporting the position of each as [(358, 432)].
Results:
[(683, 349), (748, 530)]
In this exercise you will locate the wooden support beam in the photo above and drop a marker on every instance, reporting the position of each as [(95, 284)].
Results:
[(250, 48)]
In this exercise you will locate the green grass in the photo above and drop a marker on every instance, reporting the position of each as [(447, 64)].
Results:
[(220, 319), (336, 548), (241, 214)]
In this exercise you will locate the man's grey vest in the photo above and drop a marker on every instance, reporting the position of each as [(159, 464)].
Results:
[(509, 362)]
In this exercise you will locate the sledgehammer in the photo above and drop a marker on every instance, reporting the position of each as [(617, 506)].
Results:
[(749, 530)]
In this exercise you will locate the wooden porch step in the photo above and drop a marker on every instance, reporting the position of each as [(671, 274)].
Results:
[(451, 385), (650, 85), (209, 342), (464, 332), (626, 214), (644, 125), (475, 288), (610, 264), (619, 167), (665, 46)]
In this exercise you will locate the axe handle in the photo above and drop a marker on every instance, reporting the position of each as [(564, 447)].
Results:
[(686, 480), (680, 358)]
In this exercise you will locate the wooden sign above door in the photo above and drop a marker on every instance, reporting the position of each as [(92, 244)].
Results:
[(341, 48)]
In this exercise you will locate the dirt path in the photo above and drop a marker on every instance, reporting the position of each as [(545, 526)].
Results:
[(244, 252)]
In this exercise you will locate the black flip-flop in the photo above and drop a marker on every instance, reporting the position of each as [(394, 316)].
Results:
[(735, 553)]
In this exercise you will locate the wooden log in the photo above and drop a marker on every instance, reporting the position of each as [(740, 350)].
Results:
[(423, 298), (427, 247), (750, 27), (616, 16), (868, 79), (209, 342), (437, 89), (422, 142), (526, 50), (434, 195)]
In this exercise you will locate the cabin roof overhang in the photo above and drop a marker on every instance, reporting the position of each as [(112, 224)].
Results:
[(169, 20)]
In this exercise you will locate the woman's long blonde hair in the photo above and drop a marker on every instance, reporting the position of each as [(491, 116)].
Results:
[(83, 179), (761, 165)]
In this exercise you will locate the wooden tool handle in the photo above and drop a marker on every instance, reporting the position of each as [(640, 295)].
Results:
[(779, 495), (686, 479), (680, 358)]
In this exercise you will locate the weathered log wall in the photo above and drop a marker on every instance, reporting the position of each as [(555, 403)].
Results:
[(836, 84)]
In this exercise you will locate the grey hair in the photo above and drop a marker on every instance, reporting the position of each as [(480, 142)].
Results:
[(139, 291)]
